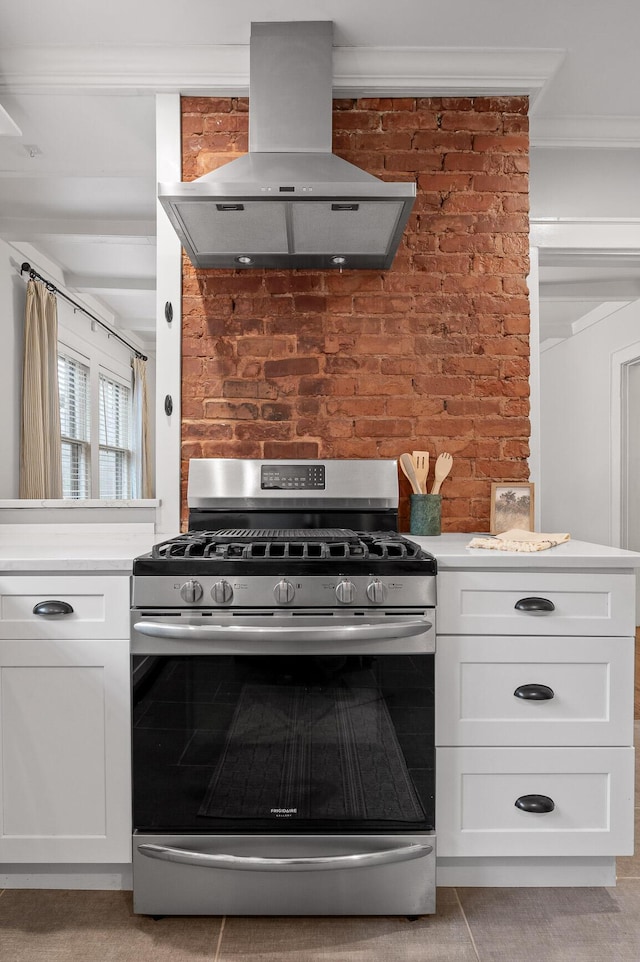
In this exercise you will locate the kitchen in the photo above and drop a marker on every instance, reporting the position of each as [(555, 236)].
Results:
[(383, 370)]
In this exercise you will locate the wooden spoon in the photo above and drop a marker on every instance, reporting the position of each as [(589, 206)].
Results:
[(421, 462), (409, 471), (443, 466)]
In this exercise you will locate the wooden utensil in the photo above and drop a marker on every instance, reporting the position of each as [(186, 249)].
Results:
[(443, 466), (409, 471), (421, 463)]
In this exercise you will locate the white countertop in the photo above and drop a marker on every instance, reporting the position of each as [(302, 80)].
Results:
[(102, 549), (452, 553), (60, 548)]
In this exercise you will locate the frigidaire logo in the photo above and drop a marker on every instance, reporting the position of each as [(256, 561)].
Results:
[(283, 812)]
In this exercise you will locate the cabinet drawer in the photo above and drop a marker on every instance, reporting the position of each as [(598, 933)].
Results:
[(100, 607), (591, 788), (484, 603), (588, 688)]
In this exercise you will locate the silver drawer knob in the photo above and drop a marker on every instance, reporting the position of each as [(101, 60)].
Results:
[(376, 591), (284, 592), (191, 591), (222, 592), (345, 591)]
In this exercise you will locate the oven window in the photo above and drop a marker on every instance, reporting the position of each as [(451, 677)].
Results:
[(245, 743)]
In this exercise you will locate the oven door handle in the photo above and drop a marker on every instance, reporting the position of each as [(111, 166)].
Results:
[(254, 863), (387, 630)]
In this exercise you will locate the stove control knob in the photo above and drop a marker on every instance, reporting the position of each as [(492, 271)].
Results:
[(376, 591), (191, 591), (222, 592), (284, 592), (345, 591)]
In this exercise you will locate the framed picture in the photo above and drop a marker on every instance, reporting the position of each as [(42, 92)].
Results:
[(511, 506)]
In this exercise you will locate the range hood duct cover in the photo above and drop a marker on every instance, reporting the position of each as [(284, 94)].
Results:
[(290, 202)]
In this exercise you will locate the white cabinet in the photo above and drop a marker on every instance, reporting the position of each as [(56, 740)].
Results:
[(504, 603), (534, 713), (519, 690), (590, 789), (64, 721), (99, 603)]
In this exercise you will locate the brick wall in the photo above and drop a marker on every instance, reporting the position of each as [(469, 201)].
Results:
[(432, 354)]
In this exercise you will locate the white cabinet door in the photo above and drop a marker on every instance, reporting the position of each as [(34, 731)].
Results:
[(514, 603), (65, 751), (99, 606), (591, 790), (517, 690)]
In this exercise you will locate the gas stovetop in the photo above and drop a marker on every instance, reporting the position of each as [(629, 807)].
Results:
[(289, 566), (321, 548)]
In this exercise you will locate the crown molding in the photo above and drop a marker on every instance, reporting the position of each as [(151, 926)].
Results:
[(597, 235), (223, 70), (596, 131)]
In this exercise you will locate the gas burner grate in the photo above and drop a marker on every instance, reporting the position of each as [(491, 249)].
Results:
[(390, 546), (293, 550), (303, 544), (264, 543)]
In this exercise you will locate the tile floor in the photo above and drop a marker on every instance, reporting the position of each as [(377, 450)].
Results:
[(471, 925)]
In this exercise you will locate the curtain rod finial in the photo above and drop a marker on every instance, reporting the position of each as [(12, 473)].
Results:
[(25, 267)]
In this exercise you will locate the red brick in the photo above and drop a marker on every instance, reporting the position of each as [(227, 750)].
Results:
[(286, 367), (383, 427), (416, 406), (207, 429), (276, 412), (443, 140), (443, 386), (502, 427), (468, 120), (345, 364), (319, 386), (323, 428), (304, 363), (384, 385), (231, 412), (501, 183), (470, 202), (263, 346), (356, 407), (291, 449), (263, 431), (512, 143)]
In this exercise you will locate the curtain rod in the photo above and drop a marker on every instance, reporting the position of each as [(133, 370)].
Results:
[(33, 274)]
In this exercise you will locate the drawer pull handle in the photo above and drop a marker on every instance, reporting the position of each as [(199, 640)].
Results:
[(538, 804), (53, 608), (535, 604), (534, 692)]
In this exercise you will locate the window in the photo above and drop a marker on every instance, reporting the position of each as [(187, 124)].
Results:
[(115, 439), (95, 416), (73, 388)]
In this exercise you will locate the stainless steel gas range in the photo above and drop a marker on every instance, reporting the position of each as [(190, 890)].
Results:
[(283, 703)]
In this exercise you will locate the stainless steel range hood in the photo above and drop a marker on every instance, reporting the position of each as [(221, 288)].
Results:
[(289, 202)]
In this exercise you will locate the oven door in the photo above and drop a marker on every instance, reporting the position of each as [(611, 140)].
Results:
[(298, 744)]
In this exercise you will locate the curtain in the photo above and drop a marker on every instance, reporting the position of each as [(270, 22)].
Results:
[(143, 474), (40, 443)]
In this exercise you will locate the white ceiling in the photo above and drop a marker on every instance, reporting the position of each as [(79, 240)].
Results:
[(77, 187)]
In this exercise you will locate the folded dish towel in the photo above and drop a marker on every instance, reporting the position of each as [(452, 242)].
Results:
[(518, 540)]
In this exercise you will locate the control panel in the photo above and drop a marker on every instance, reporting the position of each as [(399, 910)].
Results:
[(277, 591), (292, 477)]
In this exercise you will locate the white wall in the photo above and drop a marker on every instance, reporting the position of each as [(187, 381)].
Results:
[(575, 182), (576, 412)]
